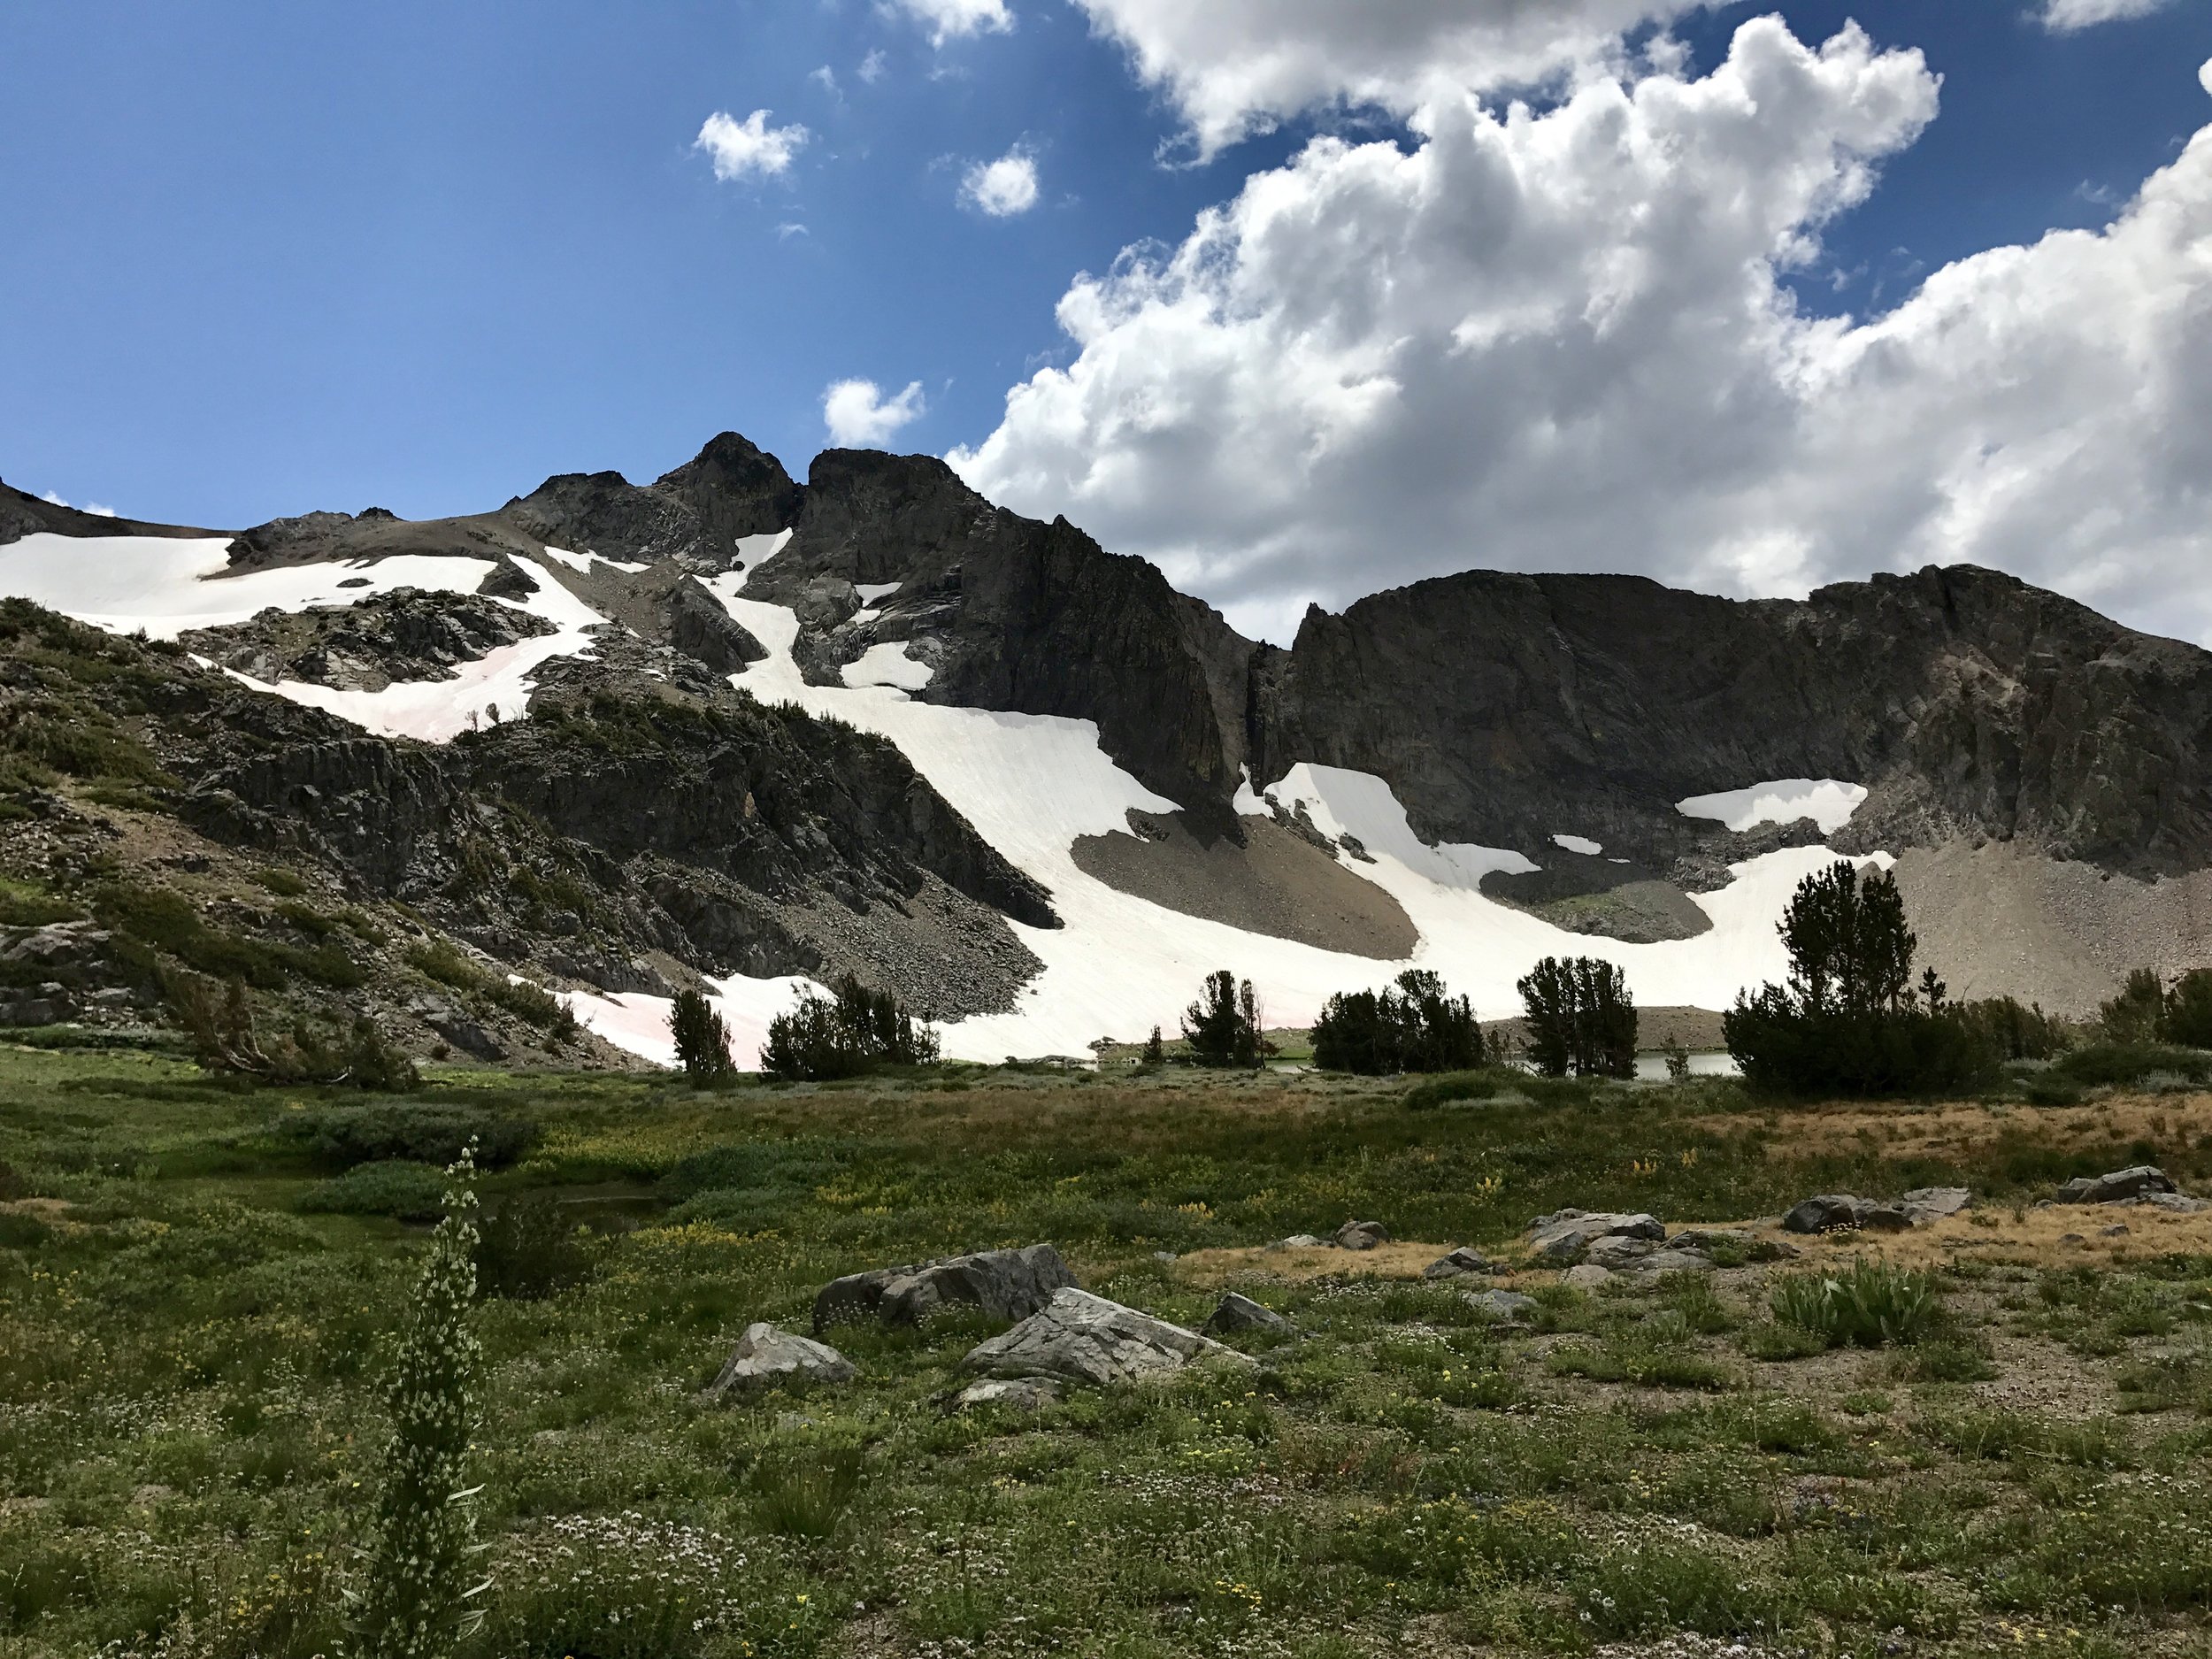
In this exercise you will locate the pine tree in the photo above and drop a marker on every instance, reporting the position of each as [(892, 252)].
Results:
[(1581, 1018), (703, 1042), (1223, 1027)]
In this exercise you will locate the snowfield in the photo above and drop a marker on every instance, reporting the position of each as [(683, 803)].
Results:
[(1031, 784)]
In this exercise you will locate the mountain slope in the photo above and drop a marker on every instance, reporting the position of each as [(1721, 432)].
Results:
[(872, 723)]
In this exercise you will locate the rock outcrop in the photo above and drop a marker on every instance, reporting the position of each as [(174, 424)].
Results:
[(1081, 1338), (1005, 1285), (1561, 1239)]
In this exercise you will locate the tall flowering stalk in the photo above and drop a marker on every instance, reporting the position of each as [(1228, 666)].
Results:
[(415, 1604)]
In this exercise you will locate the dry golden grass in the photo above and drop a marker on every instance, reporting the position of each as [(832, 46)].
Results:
[(1957, 1129)]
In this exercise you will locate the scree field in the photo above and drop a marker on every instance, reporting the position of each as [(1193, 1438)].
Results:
[(1988, 1436)]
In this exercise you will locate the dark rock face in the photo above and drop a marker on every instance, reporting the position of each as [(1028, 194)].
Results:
[(403, 634), (23, 514), (1030, 618), (1504, 708), (701, 627), (695, 514)]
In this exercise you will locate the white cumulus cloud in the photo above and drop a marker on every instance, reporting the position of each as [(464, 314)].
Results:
[(749, 148), (1561, 341), (1231, 67), (948, 19), (93, 508), (1002, 188), (2065, 16), (860, 416)]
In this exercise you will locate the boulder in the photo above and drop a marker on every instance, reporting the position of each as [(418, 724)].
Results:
[(1504, 1307), (1300, 1241), (59, 944), (1560, 1239), (1459, 1263), (1833, 1212), (1080, 1337), (1361, 1235), (1924, 1206), (2178, 1202), (1004, 1284), (1588, 1275), (2139, 1182), (1704, 1239), (48, 1005), (1237, 1312), (764, 1356), (1019, 1393)]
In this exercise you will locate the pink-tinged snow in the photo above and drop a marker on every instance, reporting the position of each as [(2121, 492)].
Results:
[(1827, 801), (493, 687), (166, 584), (1032, 784), (639, 1024)]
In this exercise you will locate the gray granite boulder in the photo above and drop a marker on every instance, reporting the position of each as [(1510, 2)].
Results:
[(1237, 1312), (1587, 1275), (1080, 1337), (1617, 1250), (1459, 1265), (1300, 1241), (1361, 1235), (1560, 1239), (1924, 1206), (1019, 1393), (2139, 1182), (1672, 1260), (1003, 1284), (765, 1357), (1834, 1213)]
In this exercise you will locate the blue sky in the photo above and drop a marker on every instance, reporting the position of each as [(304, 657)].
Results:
[(266, 258)]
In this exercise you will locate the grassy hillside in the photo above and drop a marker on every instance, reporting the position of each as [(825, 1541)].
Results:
[(198, 1286)]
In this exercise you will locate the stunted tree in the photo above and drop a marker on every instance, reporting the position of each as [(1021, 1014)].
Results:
[(1221, 1028), (703, 1042), (1412, 1025), (1850, 948), (852, 1032), (1581, 1018)]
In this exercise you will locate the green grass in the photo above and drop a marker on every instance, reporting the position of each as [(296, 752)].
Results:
[(191, 1335)]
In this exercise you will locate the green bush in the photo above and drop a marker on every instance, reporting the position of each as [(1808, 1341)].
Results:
[(1431, 1093), (414, 1131), (403, 1191), (1869, 1304), (2121, 1063), (167, 921), (439, 960)]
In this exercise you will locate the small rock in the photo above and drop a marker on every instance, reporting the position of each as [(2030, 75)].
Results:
[(1460, 1262), (1588, 1275), (1081, 1338), (1004, 1284), (1361, 1235), (765, 1355), (1924, 1206), (1673, 1261), (1506, 1307), (1833, 1212), (2119, 1230), (1616, 1251), (2140, 1181), (1237, 1312), (2071, 1237), (1016, 1393), (1300, 1241), (1165, 1256)]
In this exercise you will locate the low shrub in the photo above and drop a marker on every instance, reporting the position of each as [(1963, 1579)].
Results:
[(403, 1191), (2123, 1062), (529, 1249), (1869, 1304), (857, 1031), (1431, 1093), (414, 1131)]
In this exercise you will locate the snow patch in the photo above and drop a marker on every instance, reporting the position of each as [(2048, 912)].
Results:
[(888, 664), (583, 561), (494, 687), (1248, 802), (875, 592), (1827, 801), (167, 585), (1581, 844), (1358, 803), (638, 1023)]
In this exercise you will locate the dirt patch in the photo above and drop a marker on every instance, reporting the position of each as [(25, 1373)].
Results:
[(1278, 884)]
